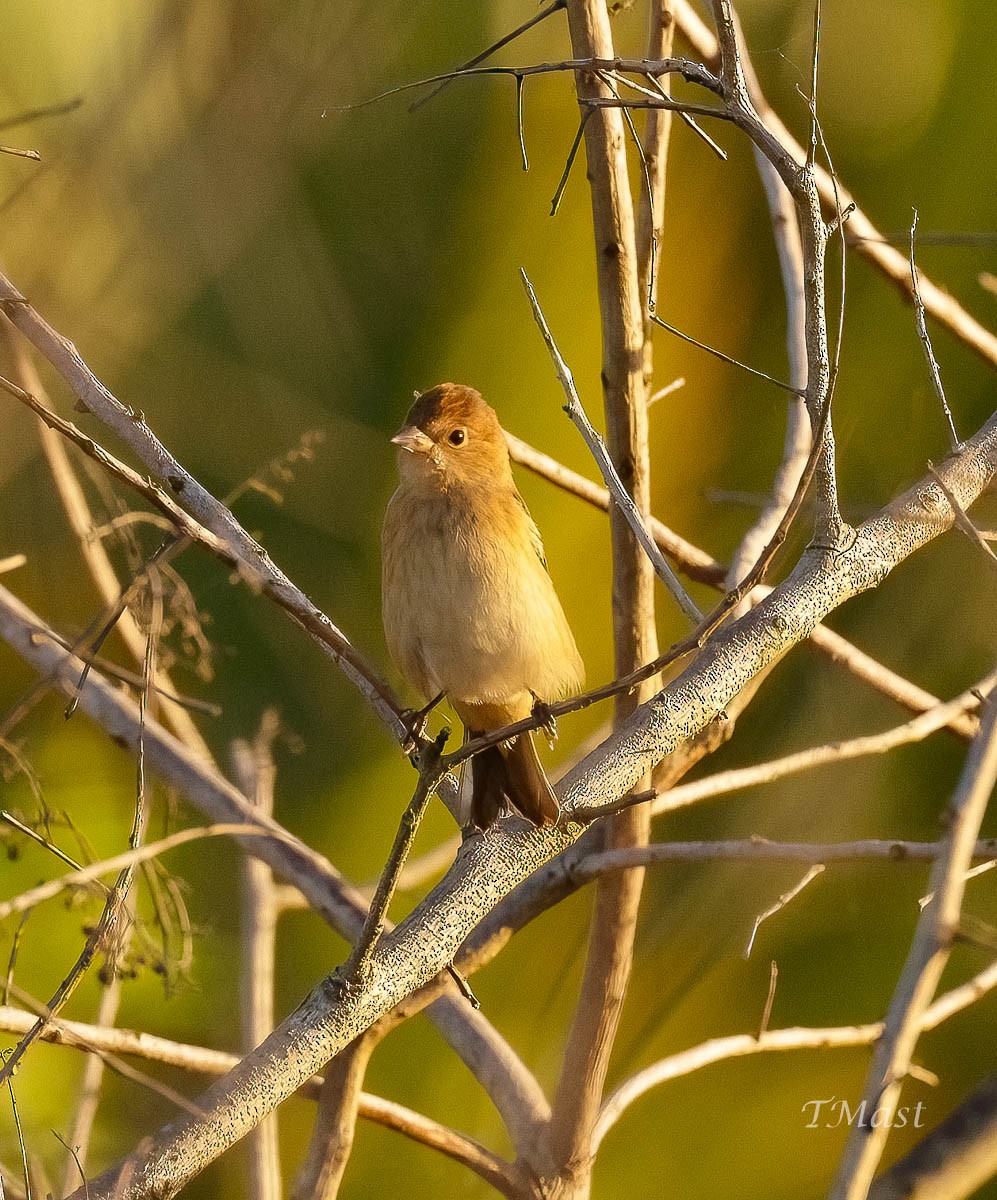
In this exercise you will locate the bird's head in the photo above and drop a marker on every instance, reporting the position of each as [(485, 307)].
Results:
[(451, 436)]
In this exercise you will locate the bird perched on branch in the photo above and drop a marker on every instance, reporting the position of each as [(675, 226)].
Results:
[(469, 609)]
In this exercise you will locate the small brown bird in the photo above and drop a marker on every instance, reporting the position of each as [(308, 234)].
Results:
[(468, 606)]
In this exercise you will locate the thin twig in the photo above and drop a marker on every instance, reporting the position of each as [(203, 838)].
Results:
[(36, 114), (691, 71), (929, 353), (734, 362), (830, 530), (758, 849), (89, 1088), (797, 439), (692, 561), (494, 48), (82, 523), (105, 937), (357, 967), (888, 682), (763, 1024), (962, 521), (91, 873), (814, 59), (911, 731), (786, 897)]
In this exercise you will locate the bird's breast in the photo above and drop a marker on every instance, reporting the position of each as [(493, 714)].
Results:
[(469, 608)]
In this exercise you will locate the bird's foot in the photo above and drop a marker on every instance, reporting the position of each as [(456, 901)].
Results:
[(414, 720), (548, 722)]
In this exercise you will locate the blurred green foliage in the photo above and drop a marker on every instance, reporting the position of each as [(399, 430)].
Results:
[(245, 260)]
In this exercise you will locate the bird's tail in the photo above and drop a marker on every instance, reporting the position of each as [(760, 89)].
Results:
[(511, 771)]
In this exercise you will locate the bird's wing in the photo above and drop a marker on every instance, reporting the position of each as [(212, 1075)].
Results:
[(535, 537)]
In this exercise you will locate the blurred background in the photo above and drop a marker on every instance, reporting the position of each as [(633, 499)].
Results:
[(248, 261)]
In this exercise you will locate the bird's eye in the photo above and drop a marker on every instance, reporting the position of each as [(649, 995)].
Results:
[(458, 437)]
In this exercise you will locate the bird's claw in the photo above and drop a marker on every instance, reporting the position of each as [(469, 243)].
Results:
[(415, 721), (548, 722)]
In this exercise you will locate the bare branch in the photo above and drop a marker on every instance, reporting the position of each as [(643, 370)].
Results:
[(91, 873), (335, 1122), (899, 689), (651, 205), (799, 179), (721, 1049), (228, 538), (700, 566), (928, 955), (762, 850), (787, 897), (255, 772), (860, 231), (82, 523), (963, 522), (89, 1089), (126, 1042), (494, 48), (695, 563), (915, 730), (796, 444), (734, 362)]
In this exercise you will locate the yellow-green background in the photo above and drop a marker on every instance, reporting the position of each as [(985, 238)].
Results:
[(244, 262)]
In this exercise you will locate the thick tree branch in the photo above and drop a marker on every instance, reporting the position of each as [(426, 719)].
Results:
[(697, 564), (126, 1042)]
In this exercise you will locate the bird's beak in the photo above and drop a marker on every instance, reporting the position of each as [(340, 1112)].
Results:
[(412, 439)]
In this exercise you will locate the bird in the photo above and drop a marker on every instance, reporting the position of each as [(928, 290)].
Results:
[(468, 606)]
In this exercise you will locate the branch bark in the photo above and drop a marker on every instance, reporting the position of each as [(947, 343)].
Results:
[(621, 307)]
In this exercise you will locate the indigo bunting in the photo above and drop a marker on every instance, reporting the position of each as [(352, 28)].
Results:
[(469, 609)]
